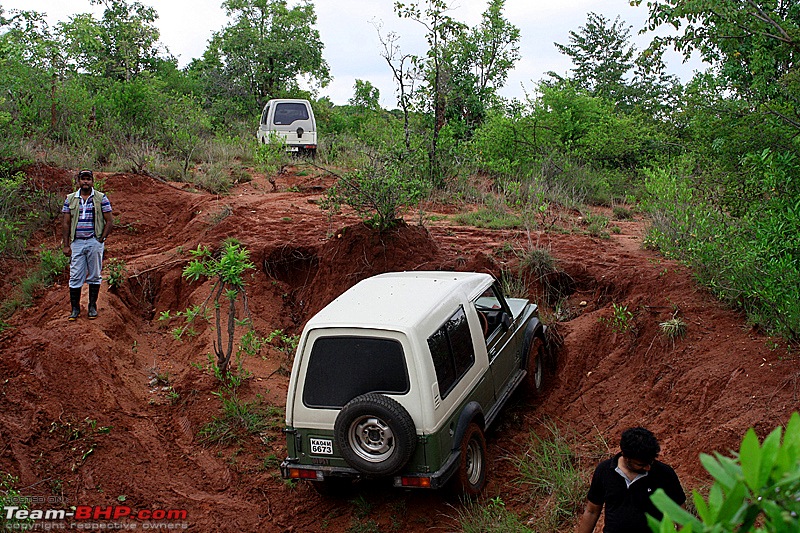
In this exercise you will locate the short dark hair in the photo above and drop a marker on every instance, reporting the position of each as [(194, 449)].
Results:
[(640, 444), (85, 172)]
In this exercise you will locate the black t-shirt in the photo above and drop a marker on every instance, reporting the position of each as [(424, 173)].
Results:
[(626, 507)]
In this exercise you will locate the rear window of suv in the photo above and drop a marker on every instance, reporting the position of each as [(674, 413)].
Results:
[(341, 368), (288, 112)]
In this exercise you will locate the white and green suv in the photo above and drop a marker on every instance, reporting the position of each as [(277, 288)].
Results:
[(400, 376)]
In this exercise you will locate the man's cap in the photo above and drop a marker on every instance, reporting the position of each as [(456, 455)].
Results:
[(85, 172)]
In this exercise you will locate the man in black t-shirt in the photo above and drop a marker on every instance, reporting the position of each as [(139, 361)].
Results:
[(625, 483)]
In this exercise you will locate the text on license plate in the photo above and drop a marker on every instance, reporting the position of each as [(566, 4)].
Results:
[(321, 446)]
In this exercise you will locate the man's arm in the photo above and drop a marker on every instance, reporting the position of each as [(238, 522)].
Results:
[(591, 514), (109, 225), (66, 220)]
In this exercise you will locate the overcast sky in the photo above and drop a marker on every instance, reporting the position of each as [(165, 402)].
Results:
[(352, 49)]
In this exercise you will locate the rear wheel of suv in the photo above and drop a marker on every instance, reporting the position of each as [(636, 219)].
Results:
[(472, 462), (375, 434)]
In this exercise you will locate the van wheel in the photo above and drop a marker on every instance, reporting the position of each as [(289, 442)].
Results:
[(472, 461), (375, 434)]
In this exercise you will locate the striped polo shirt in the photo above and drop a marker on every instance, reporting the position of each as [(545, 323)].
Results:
[(85, 229)]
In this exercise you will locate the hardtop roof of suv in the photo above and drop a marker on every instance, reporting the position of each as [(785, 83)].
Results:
[(398, 300)]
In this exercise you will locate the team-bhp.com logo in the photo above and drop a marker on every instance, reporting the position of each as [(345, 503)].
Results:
[(94, 517)]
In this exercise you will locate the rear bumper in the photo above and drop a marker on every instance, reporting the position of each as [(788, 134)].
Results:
[(292, 469)]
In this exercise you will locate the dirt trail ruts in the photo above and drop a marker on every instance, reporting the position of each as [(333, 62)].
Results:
[(108, 411)]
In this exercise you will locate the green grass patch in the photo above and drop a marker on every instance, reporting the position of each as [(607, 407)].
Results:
[(51, 264), (490, 517), (239, 419), (551, 470), (489, 218)]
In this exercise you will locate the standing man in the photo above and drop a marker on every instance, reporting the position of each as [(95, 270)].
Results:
[(625, 483), (85, 224)]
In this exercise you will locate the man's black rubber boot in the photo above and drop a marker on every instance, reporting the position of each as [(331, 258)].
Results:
[(75, 301), (94, 290)]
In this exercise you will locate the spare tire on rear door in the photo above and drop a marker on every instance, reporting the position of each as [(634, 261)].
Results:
[(375, 434)]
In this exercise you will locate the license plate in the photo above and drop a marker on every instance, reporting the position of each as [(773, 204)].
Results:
[(292, 149), (321, 446)]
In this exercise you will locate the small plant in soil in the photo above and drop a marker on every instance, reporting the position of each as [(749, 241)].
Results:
[(674, 328), (539, 260), (10, 496), (285, 343), (621, 319), (227, 272), (117, 271), (216, 218), (596, 225), (361, 507)]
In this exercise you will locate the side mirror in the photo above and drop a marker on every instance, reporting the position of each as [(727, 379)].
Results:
[(505, 321)]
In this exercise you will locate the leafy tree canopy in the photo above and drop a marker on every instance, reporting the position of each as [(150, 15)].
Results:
[(365, 95), (602, 55), (266, 49), (123, 44), (754, 44)]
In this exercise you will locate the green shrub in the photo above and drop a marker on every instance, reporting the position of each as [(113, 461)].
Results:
[(11, 497), (117, 271), (622, 213), (52, 263), (379, 193), (596, 225), (226, 271), (24, 208), (758, 489), (272, 156), (538, 260), (750, 261)]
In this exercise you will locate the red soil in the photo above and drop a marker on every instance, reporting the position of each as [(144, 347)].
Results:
[(63, 384)]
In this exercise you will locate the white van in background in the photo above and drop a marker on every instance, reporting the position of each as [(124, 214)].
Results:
[(292, 121)]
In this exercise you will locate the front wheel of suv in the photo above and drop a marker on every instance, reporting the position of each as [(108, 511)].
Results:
[(375, 434)]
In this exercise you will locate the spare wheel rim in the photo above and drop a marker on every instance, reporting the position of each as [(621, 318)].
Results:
[(371, 439)]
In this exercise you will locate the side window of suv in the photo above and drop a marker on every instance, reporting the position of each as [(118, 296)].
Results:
[(452, 351), (265, 114)]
